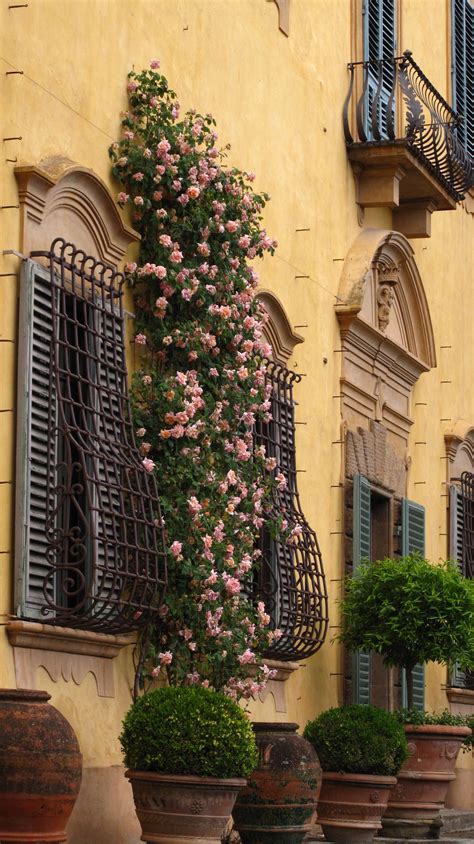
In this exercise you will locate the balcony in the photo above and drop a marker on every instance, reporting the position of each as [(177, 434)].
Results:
[(402, 143)]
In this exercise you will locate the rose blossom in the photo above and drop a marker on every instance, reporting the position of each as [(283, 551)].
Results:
[(176, 548), (140, 339), (148, 464)]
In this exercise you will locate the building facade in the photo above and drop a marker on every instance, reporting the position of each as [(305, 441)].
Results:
[(370, 298)]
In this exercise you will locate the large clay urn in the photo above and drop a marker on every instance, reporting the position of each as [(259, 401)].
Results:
[(40, 769), (279, 802), (173, 809), (415, 804), (351, 806)]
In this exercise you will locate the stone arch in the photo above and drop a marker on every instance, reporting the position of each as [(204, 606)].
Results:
[(59, 198), (278, 330), (459, 442)]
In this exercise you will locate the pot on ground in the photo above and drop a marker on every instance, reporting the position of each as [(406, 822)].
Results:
[(415, 804), (40, 768), (279, 802), (174, 809), (351, 806)]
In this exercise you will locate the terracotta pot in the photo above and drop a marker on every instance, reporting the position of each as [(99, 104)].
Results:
[(351, 806), (181, 808), (415, 804), (279, 803), (40, 768)]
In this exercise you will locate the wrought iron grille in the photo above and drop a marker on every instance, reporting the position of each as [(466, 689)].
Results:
[(106, 563), (430, 125), (291, 578), (467, 491)]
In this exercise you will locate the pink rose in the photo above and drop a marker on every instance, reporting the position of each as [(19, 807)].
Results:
[(140, 339), (154, 64), (148, 464), (176, 548), (123, 197)]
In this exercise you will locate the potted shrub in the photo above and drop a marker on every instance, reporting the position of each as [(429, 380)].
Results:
[(188, 751), (434, 741), (412, 612), (361, 749)]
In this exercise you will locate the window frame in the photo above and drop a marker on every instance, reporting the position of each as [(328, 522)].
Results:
[(124, 573)]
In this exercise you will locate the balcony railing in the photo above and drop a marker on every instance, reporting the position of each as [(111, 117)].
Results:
[(426, 125)]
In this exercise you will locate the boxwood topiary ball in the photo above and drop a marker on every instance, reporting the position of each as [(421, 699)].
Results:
[(188, 730), (358, 740)]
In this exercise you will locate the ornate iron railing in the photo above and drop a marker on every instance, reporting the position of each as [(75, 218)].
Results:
[(429, 123), (104, 534), (291, 579), (467, 491)]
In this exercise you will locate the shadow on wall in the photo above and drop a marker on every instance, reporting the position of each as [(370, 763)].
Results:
[(104, 811)]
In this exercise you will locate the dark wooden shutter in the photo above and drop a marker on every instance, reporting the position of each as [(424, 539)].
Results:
[(456, 525), (361, 551), (413, 539), (34, 444), (462, 14), (379, 29)]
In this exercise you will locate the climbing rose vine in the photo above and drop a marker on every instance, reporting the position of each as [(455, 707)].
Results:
[(201, 384)]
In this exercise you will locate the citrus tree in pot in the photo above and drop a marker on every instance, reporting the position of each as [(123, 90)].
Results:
[(412, 612), (360, 749), (188, 750)]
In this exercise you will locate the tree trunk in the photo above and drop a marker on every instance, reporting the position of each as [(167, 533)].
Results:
[(409, 677)]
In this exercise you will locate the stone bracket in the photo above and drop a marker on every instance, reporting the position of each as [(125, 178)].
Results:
[(65, 654), (276, 687)]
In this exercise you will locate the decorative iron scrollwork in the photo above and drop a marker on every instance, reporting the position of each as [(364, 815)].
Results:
[(105, 541), (291, 578), (467, 491), (430, 124)]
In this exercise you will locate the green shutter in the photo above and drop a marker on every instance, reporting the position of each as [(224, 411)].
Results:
[(462, 18), (361, 551), (456, 523), (413, 539), (34, 444)]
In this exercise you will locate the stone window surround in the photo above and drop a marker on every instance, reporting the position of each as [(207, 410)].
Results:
[(59, 198)]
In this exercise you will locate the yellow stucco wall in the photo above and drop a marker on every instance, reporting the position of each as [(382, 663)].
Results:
[(278, 101)]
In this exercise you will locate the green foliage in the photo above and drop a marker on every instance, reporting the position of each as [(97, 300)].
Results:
[(410, 611), (358, 740), (188, 730), (418, 718)]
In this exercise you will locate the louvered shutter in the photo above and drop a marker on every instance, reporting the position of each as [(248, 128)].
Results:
[(413, 539), (34, 444), (110, 518), (379, 28), (456, 523), (361, 551), (462, 13)]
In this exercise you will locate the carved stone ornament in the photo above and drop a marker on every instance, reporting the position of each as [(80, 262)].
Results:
[(59, 198), (387, 278)]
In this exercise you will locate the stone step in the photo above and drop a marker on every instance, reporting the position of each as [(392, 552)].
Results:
[(466, 837), (454, 820)]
